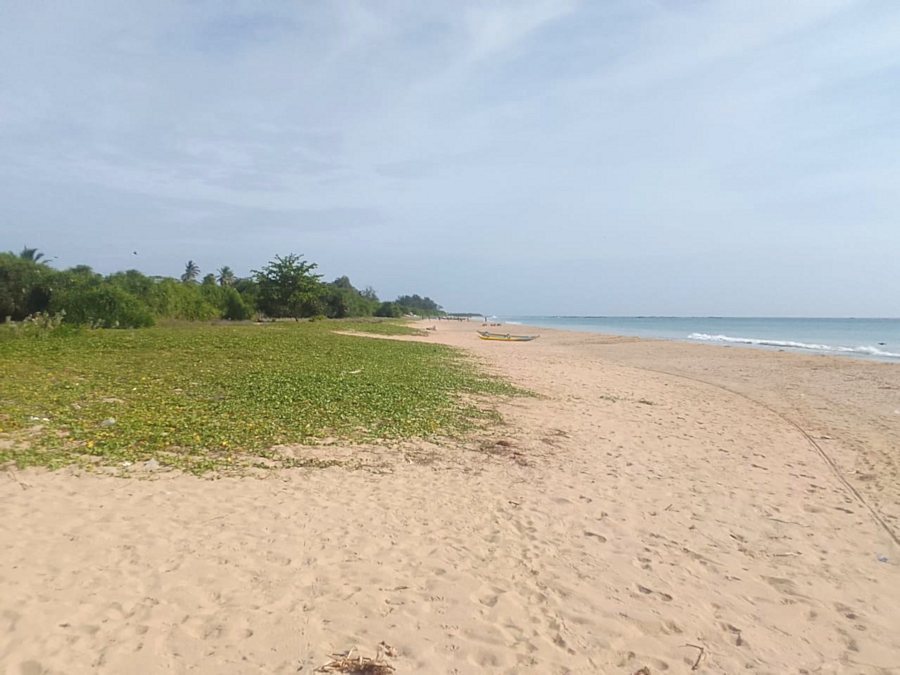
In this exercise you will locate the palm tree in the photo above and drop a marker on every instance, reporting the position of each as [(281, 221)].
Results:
[(191, 271), (31, 254), (226, 276)]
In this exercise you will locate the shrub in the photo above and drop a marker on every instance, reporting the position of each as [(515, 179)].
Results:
[(24, 287), (389, 309), (104, 306), (235, 308), (170, 299), (37, 326)]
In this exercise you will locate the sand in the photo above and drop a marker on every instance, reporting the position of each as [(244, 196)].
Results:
[(660, 506)]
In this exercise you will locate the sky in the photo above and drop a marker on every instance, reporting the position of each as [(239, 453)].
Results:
[(639, 157)]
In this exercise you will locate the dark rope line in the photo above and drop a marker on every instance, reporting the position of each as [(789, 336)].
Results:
[(824, 455)]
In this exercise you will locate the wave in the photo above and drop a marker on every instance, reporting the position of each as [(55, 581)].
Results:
[(867, 350)]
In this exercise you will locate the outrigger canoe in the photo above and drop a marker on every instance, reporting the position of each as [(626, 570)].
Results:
[(506, 337)]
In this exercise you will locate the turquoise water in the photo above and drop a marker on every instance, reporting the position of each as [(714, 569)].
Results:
[(861, 338)]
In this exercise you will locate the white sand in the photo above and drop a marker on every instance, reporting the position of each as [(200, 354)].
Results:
[(625, 516)]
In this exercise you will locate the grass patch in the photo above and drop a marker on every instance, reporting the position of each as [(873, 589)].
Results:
[(376, 326), (203, 397)]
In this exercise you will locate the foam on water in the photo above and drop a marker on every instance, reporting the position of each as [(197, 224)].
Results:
[(865, 338), (789, 344)]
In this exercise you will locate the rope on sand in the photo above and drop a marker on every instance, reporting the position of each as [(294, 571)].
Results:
[(818, 448)]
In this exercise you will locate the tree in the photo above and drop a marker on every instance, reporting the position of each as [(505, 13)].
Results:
[(191, 271), (235, 308), (226, 276), (80, 276), (249, 291), (415, 304), (173, 300), (31, 254), (337, 302), (132, 281), (342, 300), (389, 309), (25, 286), (288, 287)]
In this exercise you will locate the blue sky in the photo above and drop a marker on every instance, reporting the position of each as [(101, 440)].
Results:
[(642, 157)]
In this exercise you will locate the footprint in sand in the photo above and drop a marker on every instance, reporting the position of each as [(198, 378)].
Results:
[(650, 591), (734, 630), (644, 563), (845, 611), (671, 628), (785, 586)]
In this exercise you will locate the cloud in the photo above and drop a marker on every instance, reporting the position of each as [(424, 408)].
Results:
[(527, 133), (493, 28)]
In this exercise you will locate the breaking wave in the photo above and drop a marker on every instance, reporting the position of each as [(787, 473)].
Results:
[(788, 344)]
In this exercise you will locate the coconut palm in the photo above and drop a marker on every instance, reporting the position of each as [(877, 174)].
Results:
[(31, 254), (191, 271), (226, 276)]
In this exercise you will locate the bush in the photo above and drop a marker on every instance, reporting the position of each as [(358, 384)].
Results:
[(170, 299), (104, 306), (36, 326), (235, 308), (389, 309), (24, 287)]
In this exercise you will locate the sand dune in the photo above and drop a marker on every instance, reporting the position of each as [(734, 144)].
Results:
[(657, 506)]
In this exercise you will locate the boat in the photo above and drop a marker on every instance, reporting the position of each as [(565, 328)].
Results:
[(506, 337)]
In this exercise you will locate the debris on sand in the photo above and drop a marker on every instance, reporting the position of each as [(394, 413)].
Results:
[(361, 665)]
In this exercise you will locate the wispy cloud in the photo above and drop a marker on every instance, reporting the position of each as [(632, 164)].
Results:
[(514, 132), (492, 29)]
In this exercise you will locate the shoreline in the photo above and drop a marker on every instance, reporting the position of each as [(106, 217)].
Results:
[(654, 495), (862, 352), (750, 372)]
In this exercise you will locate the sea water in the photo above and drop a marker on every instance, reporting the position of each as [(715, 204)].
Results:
[(862, 338)]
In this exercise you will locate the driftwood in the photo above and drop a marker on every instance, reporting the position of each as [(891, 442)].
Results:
[(699, 655)]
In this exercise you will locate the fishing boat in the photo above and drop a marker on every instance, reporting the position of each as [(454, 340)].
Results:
[(506, 337)]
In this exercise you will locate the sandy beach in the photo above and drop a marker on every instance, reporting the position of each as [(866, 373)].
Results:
[(656, 508)]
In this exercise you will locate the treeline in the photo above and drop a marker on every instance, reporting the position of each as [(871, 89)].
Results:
[(286, 287)]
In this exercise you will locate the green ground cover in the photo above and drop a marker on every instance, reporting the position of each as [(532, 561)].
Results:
[(203, 397)]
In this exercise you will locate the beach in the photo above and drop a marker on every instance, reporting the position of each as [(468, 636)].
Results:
[(654, 507)]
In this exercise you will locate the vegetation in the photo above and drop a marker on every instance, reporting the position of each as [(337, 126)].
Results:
[(102, 306), (202, 397), (286, 287), (226, 276), (31, 254), (25, 286), (191, 272)]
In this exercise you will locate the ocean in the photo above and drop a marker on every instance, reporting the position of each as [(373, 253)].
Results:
[(861, 338)]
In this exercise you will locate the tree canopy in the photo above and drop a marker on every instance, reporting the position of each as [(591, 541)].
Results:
[(31, 254), (287, 286), (191, 272)]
